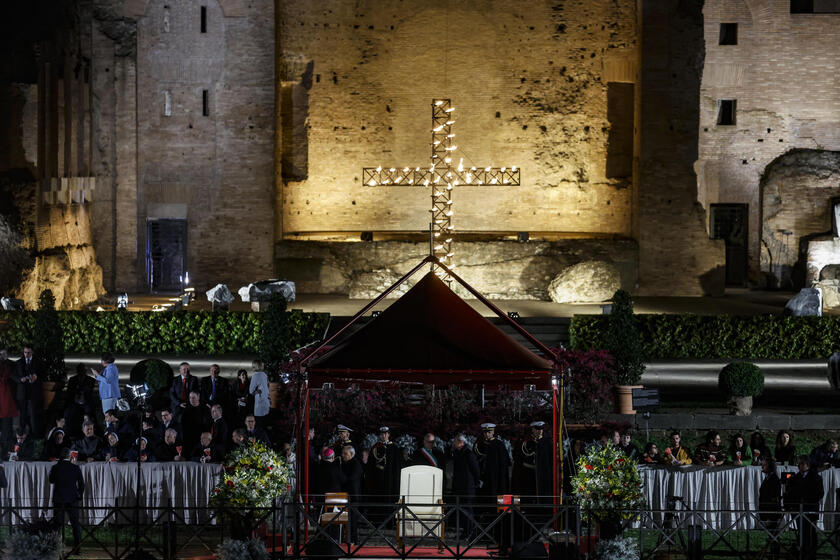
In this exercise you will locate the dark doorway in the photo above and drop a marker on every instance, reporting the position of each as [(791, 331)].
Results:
[(729, 222), (166, 254)]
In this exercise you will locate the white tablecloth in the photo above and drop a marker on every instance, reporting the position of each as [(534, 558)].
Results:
[(716, 494), (180, 485)]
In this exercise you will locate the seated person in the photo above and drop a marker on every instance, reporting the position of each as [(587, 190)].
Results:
[(167, 421), (89, 446), (759, 448), (206, 451), (112, 448), (169, 449), (825, 456), (710, 453), (239, 440), (60, 424), (785, 453), (23, 448), (149, 432), (677, 454), (740, 453), (53, 446), (627, 447), (122, 428), (139, 450), (254, 432), (651, 455)]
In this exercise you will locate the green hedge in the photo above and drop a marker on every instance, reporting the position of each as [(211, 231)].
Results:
[(719, 337), (180, 332)]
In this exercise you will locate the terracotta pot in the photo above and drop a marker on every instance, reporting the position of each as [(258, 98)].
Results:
[(624, 398), (48, 388), (274, 394)]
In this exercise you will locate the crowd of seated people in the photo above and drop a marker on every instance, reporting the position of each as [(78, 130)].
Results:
[(206, 418)]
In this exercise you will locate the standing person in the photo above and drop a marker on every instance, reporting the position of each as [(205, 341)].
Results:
[(351, 470), (219, 428), (8, 406), (803, 494), (343, 439), (69, 486), (214, 388), (427, 454), (81, 397), (770, 502), (493, 461), (465, 479), (182, 386), (109, 382), (382, 471), (243, 402), (27, 375), (195, 419), (259, 389)]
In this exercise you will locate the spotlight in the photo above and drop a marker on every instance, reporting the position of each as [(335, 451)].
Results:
[(122, 302), (375, 314), (513, 314)]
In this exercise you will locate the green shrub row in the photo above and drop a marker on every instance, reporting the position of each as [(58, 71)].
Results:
[(719, 337), (180, 332)]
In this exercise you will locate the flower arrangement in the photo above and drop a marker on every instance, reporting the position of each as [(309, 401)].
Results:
[(407, 442), (253, 477), (369, 441), (619, 548), (607, 485)]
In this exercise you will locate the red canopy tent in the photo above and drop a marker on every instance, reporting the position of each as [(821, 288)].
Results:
[(430, 336)]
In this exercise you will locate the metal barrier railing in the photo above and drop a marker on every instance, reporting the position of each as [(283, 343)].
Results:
[(459, 528)]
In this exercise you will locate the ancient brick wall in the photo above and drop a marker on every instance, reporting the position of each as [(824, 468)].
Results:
[(205, 114), (782, 75), (528, 79)]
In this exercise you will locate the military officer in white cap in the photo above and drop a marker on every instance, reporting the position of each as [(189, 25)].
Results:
[(343, 439)]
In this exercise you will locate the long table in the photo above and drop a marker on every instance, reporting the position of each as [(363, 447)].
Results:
[(716, 494), (182, 486)]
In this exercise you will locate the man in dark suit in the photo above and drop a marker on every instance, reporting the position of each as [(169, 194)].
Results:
[(351, 470), (427, 454), (167, 422), (82, 400), (182, 386), (803, 493), (219, 428), (27, 375), (465, 477), (254, 433), (69, 488), (195, 419), (215, 389)]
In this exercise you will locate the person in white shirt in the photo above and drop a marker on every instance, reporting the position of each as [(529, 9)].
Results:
[(259, 389)]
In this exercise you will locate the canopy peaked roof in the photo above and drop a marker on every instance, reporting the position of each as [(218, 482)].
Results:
[(430, 336)]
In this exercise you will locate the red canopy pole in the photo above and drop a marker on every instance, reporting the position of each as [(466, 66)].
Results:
[(306, 458), (554, 478)]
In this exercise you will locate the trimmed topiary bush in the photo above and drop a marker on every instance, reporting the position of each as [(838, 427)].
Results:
[(623, 341), (48, 338), (741, 379)]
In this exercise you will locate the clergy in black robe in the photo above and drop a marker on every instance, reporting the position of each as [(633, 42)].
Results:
[(352, 473), (465, 477), (804, 492), (494, 461)]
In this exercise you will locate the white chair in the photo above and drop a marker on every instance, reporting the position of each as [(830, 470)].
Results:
[(421, 489)]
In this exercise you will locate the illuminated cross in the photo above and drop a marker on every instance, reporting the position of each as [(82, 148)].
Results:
[(441, 176)]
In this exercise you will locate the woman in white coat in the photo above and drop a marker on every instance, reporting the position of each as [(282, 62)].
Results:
[(259, 388)]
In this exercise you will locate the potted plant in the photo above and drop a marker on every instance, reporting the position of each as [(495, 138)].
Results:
[(608, 489), (38, 540), (253, 477), (48, 343), (624, 344), (740, 382)]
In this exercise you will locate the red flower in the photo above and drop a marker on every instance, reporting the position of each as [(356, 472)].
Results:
[(620, 460), (229, 483), (589, 467)]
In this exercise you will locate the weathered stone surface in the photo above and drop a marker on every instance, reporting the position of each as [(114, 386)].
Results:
[(497, 269), (264, 290), (830, 272), (586, 282), (830, 290), (220, 294), (806, 303), (369, 285), (70, 272)]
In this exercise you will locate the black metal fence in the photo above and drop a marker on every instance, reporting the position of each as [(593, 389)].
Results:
[(457, 529)]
